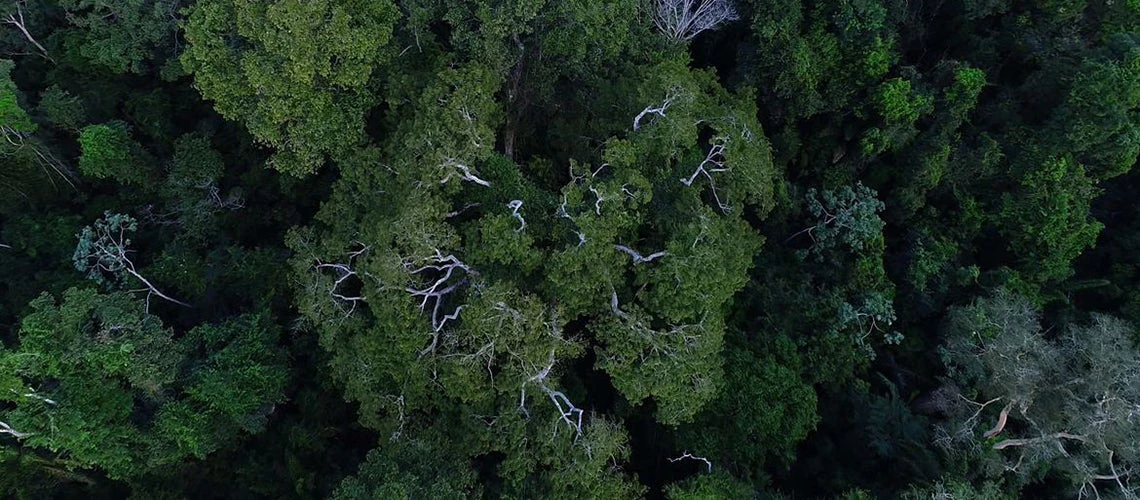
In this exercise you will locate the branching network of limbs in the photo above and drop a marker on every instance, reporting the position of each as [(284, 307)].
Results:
[(683, 337), (103, 248), (444, 274), (671, 97), (569, 413), (211, 202), (682, 20), (455, 169), (689, 456), (599, 198), (1081, 412), (868, 318), (714, 162), (43, 158), (342, 272), (17, 20)]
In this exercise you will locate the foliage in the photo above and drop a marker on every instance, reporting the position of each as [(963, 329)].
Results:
[(556, 249), (12, 115), (847, 217), (1057, 227), (1067, 402), (107, 154), (122, 36), (296, 73), (98, 382)]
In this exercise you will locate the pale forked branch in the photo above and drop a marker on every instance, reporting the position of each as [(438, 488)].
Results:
[(569, 413), (682, 20), (714, 162), (659, 110), (17, 20), (637, 257), (515, 205), (690, 456), (7, 429)]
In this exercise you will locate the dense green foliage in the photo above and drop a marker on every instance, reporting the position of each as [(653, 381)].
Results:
[(575, 249)]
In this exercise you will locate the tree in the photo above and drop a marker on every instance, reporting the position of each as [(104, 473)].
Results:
[(97, 382), (847, 217), (102, 254), (1068, 402), (468, 295), (409, 468), (125, 36), (192, 198), (682, 20), (717, 484), (27, 159), (763, 411), (16, 19), (298, 74), (1047, 219), (107, 153)]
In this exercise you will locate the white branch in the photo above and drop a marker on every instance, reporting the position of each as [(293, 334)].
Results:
[(690, 456), (454, 168), (7, 429), (569, 413), (515, 205), (17, 20), (637, 257), (598, 203), (113, 258), (343, 272), (682, 20), (659, 110), (34, 395), (714, 162), (439, 287)]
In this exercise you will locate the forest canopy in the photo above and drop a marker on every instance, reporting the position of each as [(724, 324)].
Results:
[(681, 249)]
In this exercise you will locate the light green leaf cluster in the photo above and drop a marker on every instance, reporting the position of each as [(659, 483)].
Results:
[(297, 73)]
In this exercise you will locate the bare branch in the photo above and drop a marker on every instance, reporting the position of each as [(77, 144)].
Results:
[(7, 429), (1003, 417), (1001, 445), (34, 395), (515, 205), (714, 162), (569, 413), (598, 203), (670, 98), (43, 157), (104, 248), (457, 169), (637, 257), (690, 456), (439, 287), (17, 20), (343, 272), (682, 20)]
